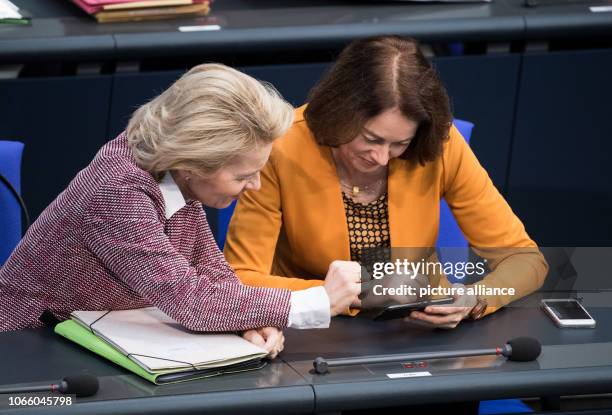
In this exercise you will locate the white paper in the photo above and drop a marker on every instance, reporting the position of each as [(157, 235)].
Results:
[(148, 336), (407, 375), (8, 10), (600, 9), (201, 28)]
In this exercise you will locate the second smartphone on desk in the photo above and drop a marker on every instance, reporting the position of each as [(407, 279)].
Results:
[(568, 313)]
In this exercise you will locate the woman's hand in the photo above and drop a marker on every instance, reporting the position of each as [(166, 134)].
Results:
[(375, 293), (444, 316), (269, 338), (343, 285)]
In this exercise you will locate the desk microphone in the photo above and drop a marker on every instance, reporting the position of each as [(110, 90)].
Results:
[(79, 385), (520, 349)]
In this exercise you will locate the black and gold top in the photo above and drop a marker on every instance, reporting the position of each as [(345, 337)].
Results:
[(368, 228)]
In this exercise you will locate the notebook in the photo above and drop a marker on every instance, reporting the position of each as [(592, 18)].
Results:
[(149, 343)]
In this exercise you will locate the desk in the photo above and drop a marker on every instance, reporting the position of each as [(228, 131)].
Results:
[(572, 362), (61, 31), (40, 356)]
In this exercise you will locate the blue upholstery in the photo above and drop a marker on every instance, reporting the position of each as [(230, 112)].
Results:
[(223, 220), (10, 211), (452, 245), (503, 406), (450, 235)]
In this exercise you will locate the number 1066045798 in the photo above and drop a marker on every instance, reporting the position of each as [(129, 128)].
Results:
[(20, 400)]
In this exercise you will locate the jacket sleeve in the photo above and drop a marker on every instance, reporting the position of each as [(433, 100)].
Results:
[(253, 234), (123, 229), (490, 226)]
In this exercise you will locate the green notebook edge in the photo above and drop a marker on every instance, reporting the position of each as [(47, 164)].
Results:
[(75, 332), (15, 21), (80, 335)]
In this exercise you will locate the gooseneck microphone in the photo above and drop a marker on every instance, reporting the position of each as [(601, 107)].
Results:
[(520, 349), (79, 385)]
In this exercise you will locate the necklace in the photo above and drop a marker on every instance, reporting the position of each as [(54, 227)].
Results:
[(353, 189)]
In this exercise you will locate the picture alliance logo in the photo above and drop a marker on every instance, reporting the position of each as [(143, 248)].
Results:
[(459, 269)]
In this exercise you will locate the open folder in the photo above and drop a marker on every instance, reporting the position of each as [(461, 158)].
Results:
[(152, 345)]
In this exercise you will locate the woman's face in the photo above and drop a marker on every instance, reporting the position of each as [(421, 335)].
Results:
[(384, 137), (229, 182)]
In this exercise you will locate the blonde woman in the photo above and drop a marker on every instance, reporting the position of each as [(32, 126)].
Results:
[(130, 231)]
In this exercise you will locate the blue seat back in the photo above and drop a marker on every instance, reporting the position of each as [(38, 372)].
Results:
[(10, 211), (449, 234), (452, 245), (223, 219)]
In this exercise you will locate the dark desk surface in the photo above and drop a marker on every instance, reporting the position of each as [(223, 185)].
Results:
[(41, 357), (573, 361), (60, 30)]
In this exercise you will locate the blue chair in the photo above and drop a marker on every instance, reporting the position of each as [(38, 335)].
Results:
[(453, 247), (503, 406), (451, 244), (10, 201), (223, 219), (450, 235)]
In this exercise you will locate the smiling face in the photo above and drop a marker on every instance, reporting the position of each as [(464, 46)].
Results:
[(383, 137), (220, 189)]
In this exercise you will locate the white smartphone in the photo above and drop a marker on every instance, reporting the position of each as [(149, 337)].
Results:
[(568, 313)]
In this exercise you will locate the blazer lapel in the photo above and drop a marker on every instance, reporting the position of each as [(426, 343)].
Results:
[(413, 207), (322, 222), (399, 203)]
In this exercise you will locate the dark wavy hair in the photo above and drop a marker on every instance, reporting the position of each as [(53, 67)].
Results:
[(371, 76)]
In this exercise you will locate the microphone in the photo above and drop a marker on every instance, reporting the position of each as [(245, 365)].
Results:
[(79, 385), (520, 349)]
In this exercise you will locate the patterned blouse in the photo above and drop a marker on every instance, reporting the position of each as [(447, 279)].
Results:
[(105, 244), (368, 228)]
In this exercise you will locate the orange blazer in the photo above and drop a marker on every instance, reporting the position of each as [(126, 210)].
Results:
[(287, 233)]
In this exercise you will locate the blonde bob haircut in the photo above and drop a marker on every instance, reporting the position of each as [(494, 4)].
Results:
[(206, 119)]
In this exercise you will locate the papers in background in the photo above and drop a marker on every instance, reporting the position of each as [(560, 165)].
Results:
[(107, 11), (157, 343)]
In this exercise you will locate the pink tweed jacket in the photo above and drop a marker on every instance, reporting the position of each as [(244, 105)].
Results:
[(105, 244)]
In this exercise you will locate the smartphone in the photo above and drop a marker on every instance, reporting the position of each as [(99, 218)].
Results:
[(403, 310), (568, 313)]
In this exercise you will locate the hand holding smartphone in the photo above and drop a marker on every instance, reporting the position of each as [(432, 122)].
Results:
[(403, 310)]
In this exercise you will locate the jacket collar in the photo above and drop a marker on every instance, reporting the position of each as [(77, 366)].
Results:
[(401, 187), (173, 198)]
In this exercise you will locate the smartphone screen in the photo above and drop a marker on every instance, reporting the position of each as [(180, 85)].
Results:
[(568, 310)]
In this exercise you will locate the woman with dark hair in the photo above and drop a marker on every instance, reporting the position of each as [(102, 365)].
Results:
[(364, 167)]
